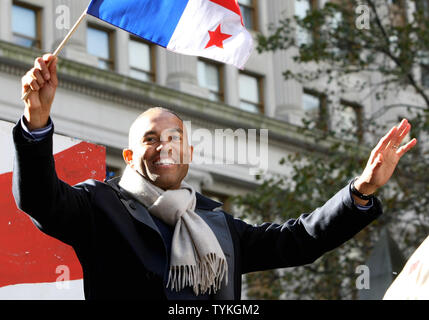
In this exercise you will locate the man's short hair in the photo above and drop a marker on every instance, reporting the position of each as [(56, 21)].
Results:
[(130, 134), (161, 109)]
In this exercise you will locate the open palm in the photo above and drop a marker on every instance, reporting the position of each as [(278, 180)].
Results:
[(386, 155)]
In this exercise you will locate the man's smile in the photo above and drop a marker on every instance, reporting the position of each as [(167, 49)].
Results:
[(164, 163)]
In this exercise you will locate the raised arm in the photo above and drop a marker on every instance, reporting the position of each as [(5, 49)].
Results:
[(303, 240), (57, 208)]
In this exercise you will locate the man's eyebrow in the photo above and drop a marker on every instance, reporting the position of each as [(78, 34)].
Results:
[(176, 129), (153, 132), (149, 133)]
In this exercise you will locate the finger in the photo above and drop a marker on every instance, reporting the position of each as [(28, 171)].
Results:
[(34, 85), (53, 71), (384, 141), (404, 149), (30, 81), (405, 132), (377, 161), (41, 65), (401, 127), (37, 75), (25, 88), (49, 58), (25, 85)]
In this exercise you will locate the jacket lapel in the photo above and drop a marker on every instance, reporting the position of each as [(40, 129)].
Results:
[(217, 222), (147, 255), (134, 208), (140, 213), (205, 209)]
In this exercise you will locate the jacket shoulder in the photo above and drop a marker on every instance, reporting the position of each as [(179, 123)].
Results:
[(93, 186)]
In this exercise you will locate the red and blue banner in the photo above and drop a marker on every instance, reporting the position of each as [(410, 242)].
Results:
[(208, 28)]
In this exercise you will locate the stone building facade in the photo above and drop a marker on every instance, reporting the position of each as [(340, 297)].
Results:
[(107, 78)]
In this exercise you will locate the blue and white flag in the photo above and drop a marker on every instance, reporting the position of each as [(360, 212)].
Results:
[(208, 28)]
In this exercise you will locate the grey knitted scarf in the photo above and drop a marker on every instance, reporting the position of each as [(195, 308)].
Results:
[(197, 260)]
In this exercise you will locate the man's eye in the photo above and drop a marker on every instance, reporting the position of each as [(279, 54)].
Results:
[(149, 140), (175, 138)]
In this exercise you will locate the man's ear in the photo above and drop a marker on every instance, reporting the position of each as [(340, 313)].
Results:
[(127, 154)]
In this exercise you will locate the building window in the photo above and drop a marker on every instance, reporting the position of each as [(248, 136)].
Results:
[(251, 94), (141, 60), (423, 7), (349, 126), (210, 77), (248, 11), (26, 25), (302, 8), (315, 106), (99, 43)]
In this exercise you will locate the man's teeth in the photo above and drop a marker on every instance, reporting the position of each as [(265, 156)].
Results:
[(165, 162)]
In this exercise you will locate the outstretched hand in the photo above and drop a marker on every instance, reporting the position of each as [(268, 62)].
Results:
[(384, 159)]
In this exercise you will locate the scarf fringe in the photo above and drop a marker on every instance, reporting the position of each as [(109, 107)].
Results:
[(206, 275)]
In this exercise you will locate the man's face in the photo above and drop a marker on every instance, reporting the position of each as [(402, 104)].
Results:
[(159, 149)]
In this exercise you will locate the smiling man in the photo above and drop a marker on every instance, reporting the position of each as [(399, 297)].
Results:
[(159, 148), (148, 234)]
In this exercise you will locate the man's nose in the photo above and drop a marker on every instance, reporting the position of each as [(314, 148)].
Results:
[(164, 146)]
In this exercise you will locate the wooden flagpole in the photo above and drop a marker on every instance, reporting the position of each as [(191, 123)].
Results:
[(60, 47)]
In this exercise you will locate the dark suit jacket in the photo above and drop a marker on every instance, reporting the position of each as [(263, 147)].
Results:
[(121, 250)]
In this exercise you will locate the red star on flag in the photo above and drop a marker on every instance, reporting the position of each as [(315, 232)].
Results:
[(217, 38)]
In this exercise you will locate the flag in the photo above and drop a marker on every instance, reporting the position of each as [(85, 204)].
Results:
[(207, 28), (34, 265)]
